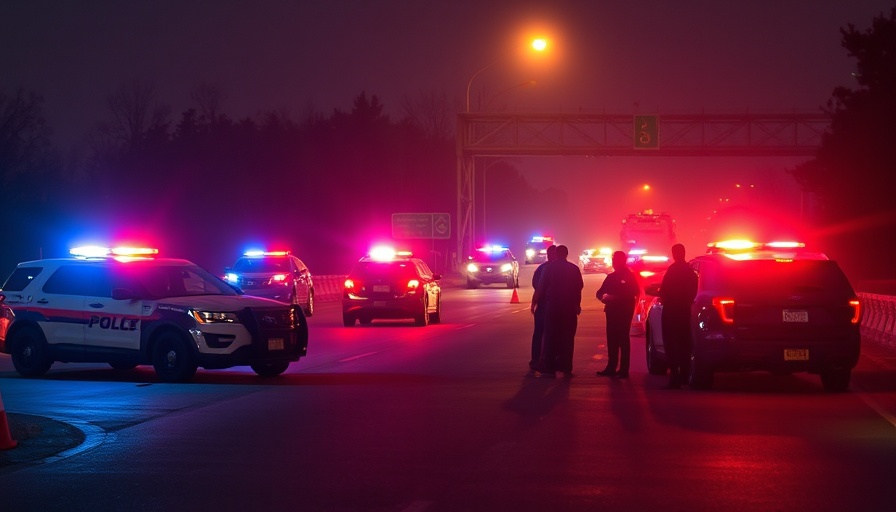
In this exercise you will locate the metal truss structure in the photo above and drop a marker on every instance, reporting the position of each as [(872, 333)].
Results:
[(545, 134)]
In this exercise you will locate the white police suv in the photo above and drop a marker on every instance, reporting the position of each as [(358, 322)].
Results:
[(125, 307)]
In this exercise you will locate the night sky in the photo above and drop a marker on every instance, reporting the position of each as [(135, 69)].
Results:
[(651, 56)]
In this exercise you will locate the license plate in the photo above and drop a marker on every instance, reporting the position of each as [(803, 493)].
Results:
[(796, 354), (379, 303), (275, 343), (381, 288), (792, 315)]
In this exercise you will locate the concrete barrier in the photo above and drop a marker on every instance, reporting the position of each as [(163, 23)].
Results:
[(879, 317)]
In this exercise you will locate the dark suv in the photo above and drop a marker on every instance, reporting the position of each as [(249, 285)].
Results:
[(276, 275), (772, 307), (493, 264), (390, 285)]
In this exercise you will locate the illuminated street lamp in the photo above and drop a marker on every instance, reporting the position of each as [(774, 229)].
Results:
[(538, 45)]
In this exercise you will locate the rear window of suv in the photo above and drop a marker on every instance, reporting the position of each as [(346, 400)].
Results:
[(765, 277), (21, 278)]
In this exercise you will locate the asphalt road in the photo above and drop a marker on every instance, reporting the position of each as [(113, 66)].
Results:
[(394, 417)]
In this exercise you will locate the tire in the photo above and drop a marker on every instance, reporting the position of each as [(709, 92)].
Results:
[(348, 321), (422, 319), (472, 285), (123, 366), (172, 359), (836, 380), (308, 308), (656, 364), (270, 369), (30, 353), (701, 377), (365, 320)]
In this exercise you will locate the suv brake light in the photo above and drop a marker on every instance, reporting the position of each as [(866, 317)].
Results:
[(857, 310), (413, 284), (725, 307)]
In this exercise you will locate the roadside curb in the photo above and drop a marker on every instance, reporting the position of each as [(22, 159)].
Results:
[(40, 438)]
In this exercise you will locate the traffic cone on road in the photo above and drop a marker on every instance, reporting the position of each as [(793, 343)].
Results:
[(515, 298), (6, 440)]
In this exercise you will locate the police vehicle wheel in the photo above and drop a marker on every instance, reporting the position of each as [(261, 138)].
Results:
[(436, 317), (348, 321), (309, 306), (123, 366), (171, 358), (835, 380), (656, 364), (270, 369), (472, 285), (30, 353), (422, 319)]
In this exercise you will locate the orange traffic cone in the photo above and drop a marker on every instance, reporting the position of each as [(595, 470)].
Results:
[(515, 298), (6, 440)]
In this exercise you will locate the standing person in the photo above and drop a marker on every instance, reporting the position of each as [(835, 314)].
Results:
[(619, 293), (538, 309), (561, 286), (677, 292)]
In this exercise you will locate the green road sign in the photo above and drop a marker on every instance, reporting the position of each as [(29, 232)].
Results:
[(421, 225)]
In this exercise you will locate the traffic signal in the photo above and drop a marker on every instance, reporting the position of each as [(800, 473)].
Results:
[(647, 132)]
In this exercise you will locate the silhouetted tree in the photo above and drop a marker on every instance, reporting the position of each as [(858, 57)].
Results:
[(24, 147), (853, 174)]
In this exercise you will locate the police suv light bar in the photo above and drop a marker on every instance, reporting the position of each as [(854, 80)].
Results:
[(95, 251)]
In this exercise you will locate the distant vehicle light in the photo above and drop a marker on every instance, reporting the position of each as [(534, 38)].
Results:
[(506, 267), (647, 273), (637, 252), (737, 245), (492, 248), (786, 245), (655, 259), (472, 267), (279, 278), (385, 253), (258, 254), (542, 239), (230, 277)]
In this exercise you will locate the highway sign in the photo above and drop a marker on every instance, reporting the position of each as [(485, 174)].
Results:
[(421, 225)]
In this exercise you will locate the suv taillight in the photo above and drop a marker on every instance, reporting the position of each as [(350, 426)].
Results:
[(413, 284), (725, 307), (856, 311), (349, 285)]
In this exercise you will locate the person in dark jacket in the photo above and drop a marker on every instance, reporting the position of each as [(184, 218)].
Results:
[(677, 292), (619, 293), (539, 309), (560, 287)]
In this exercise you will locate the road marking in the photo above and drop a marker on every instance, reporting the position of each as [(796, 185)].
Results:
[(874, 404), (359, 356)]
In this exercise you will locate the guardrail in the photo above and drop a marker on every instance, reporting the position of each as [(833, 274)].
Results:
[(328, 288), (879, 317)]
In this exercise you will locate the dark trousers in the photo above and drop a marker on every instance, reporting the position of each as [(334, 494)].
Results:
[(677, 342), (537, 336), (619, 344), (559, 340)]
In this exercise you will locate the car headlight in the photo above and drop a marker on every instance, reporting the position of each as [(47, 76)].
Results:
[(472, 267), (506, 267), (214, 317)]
